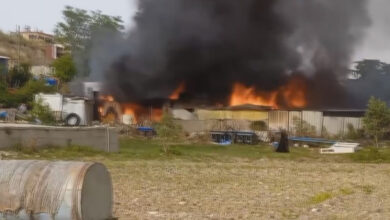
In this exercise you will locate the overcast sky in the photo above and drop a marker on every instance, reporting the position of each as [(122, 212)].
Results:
[(44, 14), (377, 41)]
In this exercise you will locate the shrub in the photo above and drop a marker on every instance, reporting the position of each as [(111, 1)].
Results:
[(42, 112), (18, 76), (377, 119), (353, 133), (168, 130), (25, 94), (303, 128)]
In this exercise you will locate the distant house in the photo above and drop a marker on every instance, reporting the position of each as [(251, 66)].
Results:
[(37, 36), (52, 50)]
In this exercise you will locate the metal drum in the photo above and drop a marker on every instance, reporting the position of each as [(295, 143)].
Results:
[(43, 190)]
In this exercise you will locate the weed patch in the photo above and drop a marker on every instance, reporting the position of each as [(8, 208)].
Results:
[(346, 191), (372, 155), (321, 197), (368, 189)]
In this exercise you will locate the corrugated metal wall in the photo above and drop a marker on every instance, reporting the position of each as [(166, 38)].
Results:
[(250, 115), (191, 126), (278, 120), (300, 123), (333, 126), (314, 119), (357, 123), (339, 125), (294, 122)]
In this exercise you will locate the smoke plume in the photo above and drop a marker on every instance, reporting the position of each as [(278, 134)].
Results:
[(211, 44)]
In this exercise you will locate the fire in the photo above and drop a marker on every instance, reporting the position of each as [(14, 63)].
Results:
[(141, 113), (248, 95), (112, 111), (292, 95), (130, 108), (107, 98), (176, 94)]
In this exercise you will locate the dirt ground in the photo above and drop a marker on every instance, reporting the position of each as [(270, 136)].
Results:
[(262, 189)]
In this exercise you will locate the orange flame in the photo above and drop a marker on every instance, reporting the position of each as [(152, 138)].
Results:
[(141, 113), (138, 112), (248, 95), (107, 98), (130, 108), (176, 94), (293, 95)]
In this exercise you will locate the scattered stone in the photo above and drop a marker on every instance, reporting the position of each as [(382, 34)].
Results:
[(153, 213), (315, 210)]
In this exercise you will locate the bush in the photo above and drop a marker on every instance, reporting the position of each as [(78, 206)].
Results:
[(18, 76), (168, 130), (43, 113), (377, 119), (25, 94), (353, 133), (303, 128)]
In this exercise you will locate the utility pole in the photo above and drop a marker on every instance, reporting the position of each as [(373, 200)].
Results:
[(18, 36)]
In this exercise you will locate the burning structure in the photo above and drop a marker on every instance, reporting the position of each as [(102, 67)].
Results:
[(195, 54)]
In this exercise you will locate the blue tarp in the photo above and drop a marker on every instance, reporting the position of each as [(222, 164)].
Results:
[(51, 81), (312, 140), (145, 129), (3, 114)]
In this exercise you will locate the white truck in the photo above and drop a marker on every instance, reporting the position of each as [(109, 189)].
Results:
[(74, 111)]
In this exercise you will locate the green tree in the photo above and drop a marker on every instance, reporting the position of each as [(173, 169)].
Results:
[(168, 131), (65, 68), (74, 31), (377, 119), (78, 30), (79, 26), (19, 75)]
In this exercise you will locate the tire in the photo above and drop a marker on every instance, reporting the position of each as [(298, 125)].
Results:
[(72, 120)]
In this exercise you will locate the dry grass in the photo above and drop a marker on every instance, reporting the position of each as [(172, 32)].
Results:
[(242, 183), (30, 52), (263, 189)]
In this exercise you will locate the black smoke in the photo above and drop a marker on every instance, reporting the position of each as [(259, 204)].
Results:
[(210, 44)]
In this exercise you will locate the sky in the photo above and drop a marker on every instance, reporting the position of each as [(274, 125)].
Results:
[(376, 44), (44, 14)]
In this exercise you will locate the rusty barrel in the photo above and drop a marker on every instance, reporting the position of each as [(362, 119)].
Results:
[(54, 190)]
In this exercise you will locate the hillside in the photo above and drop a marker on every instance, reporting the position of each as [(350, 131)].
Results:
[(30, 52)]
